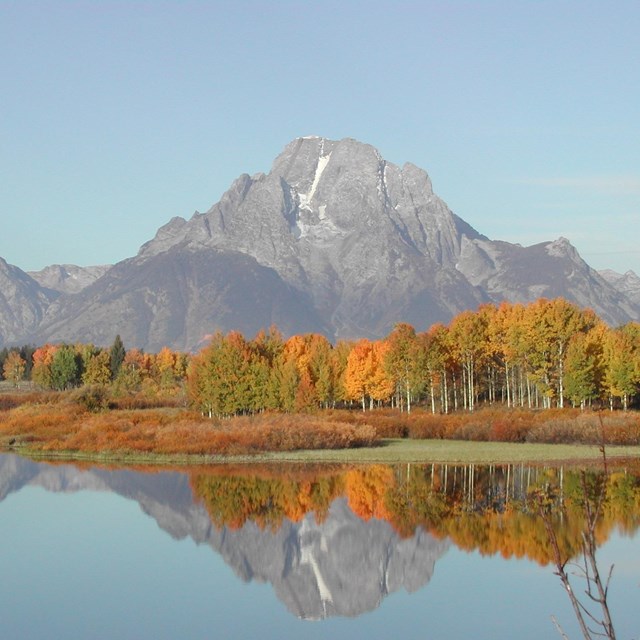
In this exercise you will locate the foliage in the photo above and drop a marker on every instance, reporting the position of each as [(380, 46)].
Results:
[(92, 397), (490, 509), (14, 367), (116, 356), (65, 368)]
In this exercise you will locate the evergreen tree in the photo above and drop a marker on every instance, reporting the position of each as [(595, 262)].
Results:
[(26, 353), (3, 356), (118, 353)]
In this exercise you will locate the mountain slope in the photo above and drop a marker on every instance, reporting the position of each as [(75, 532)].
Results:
[(178, 298), (628, 284), (546, 270), (23, 303)]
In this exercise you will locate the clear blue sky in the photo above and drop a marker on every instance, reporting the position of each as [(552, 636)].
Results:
[(116, 116)]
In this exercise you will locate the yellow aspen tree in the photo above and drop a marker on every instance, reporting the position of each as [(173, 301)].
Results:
[(358, 372), (14, 368)]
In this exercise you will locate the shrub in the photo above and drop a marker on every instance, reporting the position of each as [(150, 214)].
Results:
[(91, 397)]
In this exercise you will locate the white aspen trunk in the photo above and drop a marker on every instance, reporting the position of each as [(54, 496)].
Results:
[(470, 389), (455, 391), (506, 370), (464, 387), (433, 398), (446, 391), (561, 379)]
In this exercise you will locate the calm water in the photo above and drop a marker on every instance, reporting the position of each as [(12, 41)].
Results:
[(376, 552)]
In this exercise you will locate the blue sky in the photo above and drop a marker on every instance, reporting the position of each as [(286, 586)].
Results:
[(117, 116)]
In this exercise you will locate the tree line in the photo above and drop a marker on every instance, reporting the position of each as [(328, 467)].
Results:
[(548, 353), (64, 366)]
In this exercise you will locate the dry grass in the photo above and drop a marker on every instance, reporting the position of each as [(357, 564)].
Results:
[(54, 423), (66, 426), (551, 426)]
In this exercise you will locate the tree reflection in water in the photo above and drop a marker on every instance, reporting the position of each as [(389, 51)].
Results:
[(484, 508), (551, 515), (336, 540), (593, 495)]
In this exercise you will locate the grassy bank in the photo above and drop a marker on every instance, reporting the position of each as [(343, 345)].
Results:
[(390, 451), (61, 426)]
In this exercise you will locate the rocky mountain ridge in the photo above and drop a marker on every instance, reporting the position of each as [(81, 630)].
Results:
[(334, 239), (626, 283), (68, 278)]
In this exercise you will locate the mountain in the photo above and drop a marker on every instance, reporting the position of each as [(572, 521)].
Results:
[(628, 284), (68, 278), (342, 566), (335, 240), (23, 303), (178, 298)]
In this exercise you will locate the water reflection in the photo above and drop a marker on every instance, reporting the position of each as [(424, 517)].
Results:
[(335, 541)]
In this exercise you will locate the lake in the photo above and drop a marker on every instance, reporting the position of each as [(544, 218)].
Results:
[(414, 551)]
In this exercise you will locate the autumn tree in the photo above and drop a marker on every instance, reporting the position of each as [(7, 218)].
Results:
[(381, 384), (402, 362), (434, 349), (468, 332), (584, 366), (41, 370), (14, 368), (135, 367), (65, 368), (622, 363), (321, 369), (164, 368), (339, 358), (96, 368), (266, 352), (285, 381), (218, 376), (358, 372)]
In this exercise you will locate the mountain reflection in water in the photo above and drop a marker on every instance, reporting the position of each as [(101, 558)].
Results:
[(334, 541)]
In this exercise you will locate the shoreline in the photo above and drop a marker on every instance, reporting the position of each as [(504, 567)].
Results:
[(390, 451)]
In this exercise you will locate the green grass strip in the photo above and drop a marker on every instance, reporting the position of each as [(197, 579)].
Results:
[(391, 451)]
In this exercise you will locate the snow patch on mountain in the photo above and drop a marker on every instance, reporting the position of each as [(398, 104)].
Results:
[(306, 198)]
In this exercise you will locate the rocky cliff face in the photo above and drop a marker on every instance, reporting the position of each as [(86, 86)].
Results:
[(334, 239), (369, 242), (344, 566)]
